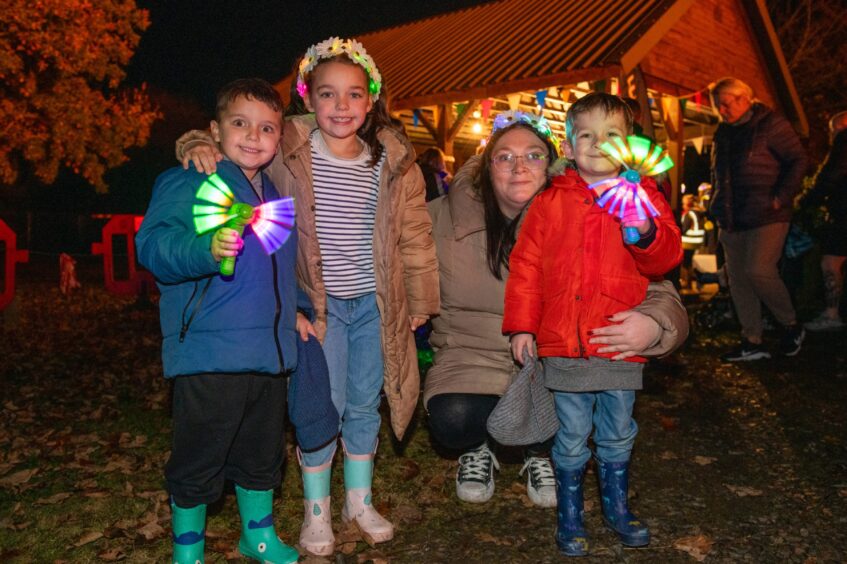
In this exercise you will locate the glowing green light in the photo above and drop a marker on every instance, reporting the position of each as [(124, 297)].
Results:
[(216, 191), (204, 223)]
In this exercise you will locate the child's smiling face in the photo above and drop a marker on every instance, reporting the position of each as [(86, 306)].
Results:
[(592, 129), (338, 94), (248, 133)]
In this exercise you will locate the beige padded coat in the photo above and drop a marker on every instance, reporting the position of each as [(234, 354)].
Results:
[(471, 354), (405, 266)]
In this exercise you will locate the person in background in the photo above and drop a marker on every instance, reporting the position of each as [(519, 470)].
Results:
[(434, 172), (758, 165), (830, 190), (693, 236)]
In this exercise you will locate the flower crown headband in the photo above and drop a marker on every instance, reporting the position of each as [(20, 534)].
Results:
[(333, 47), (538, 123)]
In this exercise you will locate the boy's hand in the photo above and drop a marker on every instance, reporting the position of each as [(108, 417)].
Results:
[(632, 333), (630, 219), (226, 242), (415, 322), (204, 156), (304, 327), (521, 341)]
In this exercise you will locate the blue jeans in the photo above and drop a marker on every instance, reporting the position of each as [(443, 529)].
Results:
[(353, 349), (610, 414)]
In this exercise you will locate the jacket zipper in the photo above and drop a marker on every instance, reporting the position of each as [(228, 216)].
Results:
[(275, 277), (187, 323)]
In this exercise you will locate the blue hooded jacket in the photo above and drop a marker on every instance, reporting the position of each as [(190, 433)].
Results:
[(211, 323)]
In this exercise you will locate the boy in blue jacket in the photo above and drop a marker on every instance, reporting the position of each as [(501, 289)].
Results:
[(228, 342)]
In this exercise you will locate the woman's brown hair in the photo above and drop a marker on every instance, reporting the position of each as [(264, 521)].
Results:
[(501, 231)]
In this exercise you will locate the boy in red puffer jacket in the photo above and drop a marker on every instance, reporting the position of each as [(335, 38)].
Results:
[(571, 271)]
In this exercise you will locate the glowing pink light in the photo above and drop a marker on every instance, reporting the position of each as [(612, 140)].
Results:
[(273, 223)]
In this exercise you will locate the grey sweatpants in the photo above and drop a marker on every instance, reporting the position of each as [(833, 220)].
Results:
[(752, 257)]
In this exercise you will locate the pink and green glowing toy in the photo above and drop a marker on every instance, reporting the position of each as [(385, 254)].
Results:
[(624, 195), (272, 221)]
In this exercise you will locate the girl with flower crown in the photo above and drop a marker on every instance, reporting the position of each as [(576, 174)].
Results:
[(366, 259)]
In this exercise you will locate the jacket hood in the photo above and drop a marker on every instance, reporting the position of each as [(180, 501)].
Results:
[(400, 155)]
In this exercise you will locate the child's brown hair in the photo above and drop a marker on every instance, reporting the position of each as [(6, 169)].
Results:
[(251, 89), (610, 104)]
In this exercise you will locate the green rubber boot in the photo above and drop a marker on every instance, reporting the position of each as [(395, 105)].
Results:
[(258, 537), (189, 533)]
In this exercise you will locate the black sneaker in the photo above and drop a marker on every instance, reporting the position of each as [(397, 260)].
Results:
[(746, 351), (792, 340)]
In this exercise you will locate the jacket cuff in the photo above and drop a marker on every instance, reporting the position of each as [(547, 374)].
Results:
[(647, 238)]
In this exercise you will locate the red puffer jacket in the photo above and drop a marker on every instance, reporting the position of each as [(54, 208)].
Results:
[(570, 269)]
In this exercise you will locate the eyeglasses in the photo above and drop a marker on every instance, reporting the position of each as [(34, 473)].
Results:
[(506, 162)]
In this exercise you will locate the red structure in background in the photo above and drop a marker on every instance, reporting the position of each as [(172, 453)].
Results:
[(13, 255), (137, 281)]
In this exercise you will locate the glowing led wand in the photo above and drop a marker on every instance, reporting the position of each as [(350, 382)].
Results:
[(624, 195), (272, 222)]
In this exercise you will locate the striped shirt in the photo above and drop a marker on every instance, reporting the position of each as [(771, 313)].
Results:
[(346, 193)]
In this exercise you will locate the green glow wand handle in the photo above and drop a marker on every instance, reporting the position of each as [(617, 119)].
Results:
[(243, 216)]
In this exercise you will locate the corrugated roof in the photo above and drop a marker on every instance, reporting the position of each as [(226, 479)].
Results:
[(506, 46)]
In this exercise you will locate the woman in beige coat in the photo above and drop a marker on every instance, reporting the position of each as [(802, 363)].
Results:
[(474, 228)]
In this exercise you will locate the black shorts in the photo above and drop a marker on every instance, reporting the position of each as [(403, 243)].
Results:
[(834, 240), (226, 426)]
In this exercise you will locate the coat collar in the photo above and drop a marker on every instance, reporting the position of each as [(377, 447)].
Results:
[(465, 204), (399, 152)]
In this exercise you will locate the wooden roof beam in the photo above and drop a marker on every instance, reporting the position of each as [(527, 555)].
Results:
[(426, 123), (651, 36)]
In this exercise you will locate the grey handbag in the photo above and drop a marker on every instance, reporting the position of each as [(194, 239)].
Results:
[(525, 414)]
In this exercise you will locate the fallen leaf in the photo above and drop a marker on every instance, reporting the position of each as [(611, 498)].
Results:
[(112, 555), (407, 514), (704, 460), (668, 423), (346, 548), (668, 455), (698, 547), (151, 531), (88, 538), (53, 499), (744, 491), (19, 477), (485, 537), (411, 470)]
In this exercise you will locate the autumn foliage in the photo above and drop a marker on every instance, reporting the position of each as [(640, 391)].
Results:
[(61, 101)]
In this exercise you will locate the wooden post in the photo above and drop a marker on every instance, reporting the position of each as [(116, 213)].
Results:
[(673, 119), (445, 122), (633, 86)]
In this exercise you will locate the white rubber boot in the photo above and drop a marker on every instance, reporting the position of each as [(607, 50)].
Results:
[(316, 535), (358, 506)]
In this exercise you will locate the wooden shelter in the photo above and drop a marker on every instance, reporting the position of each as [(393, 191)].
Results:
[(450, 74)]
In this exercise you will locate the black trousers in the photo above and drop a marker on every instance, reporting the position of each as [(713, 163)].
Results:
[(226, 427), (457, 422)]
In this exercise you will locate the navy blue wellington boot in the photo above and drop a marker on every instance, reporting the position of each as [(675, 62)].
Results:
[(570, 527), (614, 485)]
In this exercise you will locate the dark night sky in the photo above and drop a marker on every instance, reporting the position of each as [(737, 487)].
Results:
[(194, 47)]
